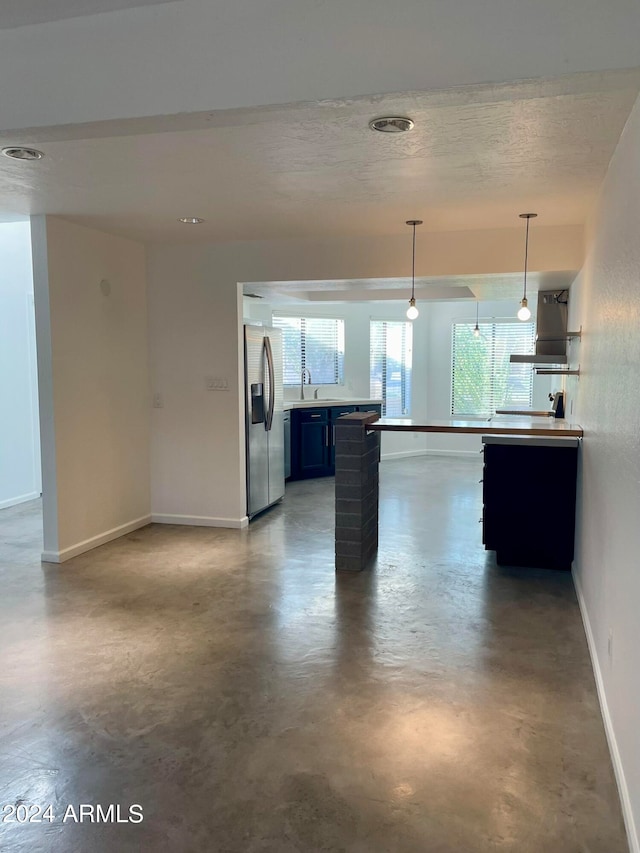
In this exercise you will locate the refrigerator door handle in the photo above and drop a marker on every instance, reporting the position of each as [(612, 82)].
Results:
[(272, 379)]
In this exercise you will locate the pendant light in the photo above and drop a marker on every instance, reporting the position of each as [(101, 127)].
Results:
[(412, 311), (476, 331), (524, 313)]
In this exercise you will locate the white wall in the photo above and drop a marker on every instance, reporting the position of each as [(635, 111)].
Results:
[(606, 301), (195, 319), (197, 451), (20, 478), (93, 369)]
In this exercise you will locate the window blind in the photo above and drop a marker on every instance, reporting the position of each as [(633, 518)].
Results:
[(391, 366), (483, 379), (314, 343)]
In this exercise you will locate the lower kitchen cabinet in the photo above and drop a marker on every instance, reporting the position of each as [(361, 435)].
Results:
[(529, 500), (313, 438), (310, 443)]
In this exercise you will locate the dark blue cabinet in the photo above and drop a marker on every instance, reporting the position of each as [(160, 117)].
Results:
[(310, 443), (313, 438), (521, 480)]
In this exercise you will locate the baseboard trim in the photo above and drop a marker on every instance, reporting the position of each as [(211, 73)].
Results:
[(95, 541), (434, 452), (22, 499), (402, 454), (623, 790), (200, 520)]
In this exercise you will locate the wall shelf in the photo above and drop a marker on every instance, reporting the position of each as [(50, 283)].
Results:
[(560, 371), (566, 337), (516, 358)]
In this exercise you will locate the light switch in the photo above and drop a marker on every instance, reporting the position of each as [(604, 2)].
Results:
[(216, 383), (158, 402)]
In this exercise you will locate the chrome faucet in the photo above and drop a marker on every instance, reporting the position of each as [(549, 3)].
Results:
[(308, 372)]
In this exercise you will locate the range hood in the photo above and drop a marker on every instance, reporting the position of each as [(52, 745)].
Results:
[(551, 330)]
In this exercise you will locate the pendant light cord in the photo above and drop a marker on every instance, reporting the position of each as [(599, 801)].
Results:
[(526, 258), (412, 311), (413, 264)]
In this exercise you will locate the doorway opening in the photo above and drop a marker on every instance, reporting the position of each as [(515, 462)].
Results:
[(20, 467)]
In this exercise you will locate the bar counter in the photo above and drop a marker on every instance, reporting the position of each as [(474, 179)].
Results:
[(498, 425), (358, 455)]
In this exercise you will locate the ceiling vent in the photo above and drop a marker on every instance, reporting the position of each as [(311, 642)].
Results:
[(391, 124), (17, 152)]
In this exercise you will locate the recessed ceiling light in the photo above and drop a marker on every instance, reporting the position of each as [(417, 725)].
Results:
[(391, 124), (17, 152), (190, 220)]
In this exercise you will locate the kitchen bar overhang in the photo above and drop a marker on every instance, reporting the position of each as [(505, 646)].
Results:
[(497, 425)]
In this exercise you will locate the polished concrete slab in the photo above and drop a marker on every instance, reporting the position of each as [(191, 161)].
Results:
[(250, 699)]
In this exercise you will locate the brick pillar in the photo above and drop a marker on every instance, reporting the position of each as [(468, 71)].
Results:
[(357, 459)]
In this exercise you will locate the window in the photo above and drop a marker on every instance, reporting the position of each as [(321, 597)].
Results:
[(483, 379), (390, 366), (314, 343)]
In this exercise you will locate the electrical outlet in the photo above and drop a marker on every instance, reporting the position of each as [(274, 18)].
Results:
[(610, 646), (158, 402)]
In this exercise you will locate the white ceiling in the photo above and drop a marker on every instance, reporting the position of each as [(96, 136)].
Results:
[(202, 55), (478, 156), (18, 13), (147, 114)]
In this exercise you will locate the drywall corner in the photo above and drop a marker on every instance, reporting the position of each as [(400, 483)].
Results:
[(39, 251)]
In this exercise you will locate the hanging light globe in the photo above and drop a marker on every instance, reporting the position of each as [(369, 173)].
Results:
[(524, 313)]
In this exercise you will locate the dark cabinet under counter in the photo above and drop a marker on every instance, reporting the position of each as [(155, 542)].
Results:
[(313, 438), (529, 500), (310, 447)]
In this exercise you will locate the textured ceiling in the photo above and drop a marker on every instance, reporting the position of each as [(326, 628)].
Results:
[(477, 157), (18, 13)]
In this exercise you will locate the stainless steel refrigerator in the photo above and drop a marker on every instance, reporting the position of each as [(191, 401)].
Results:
[(264, 417)]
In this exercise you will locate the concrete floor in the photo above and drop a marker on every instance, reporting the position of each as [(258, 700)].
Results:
[(250, 700)]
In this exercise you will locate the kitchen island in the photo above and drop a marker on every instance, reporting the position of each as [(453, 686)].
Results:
[(357, 456)]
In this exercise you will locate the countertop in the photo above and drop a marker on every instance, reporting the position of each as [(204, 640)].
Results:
[(534, 413), (319, 404), (500, 425)]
